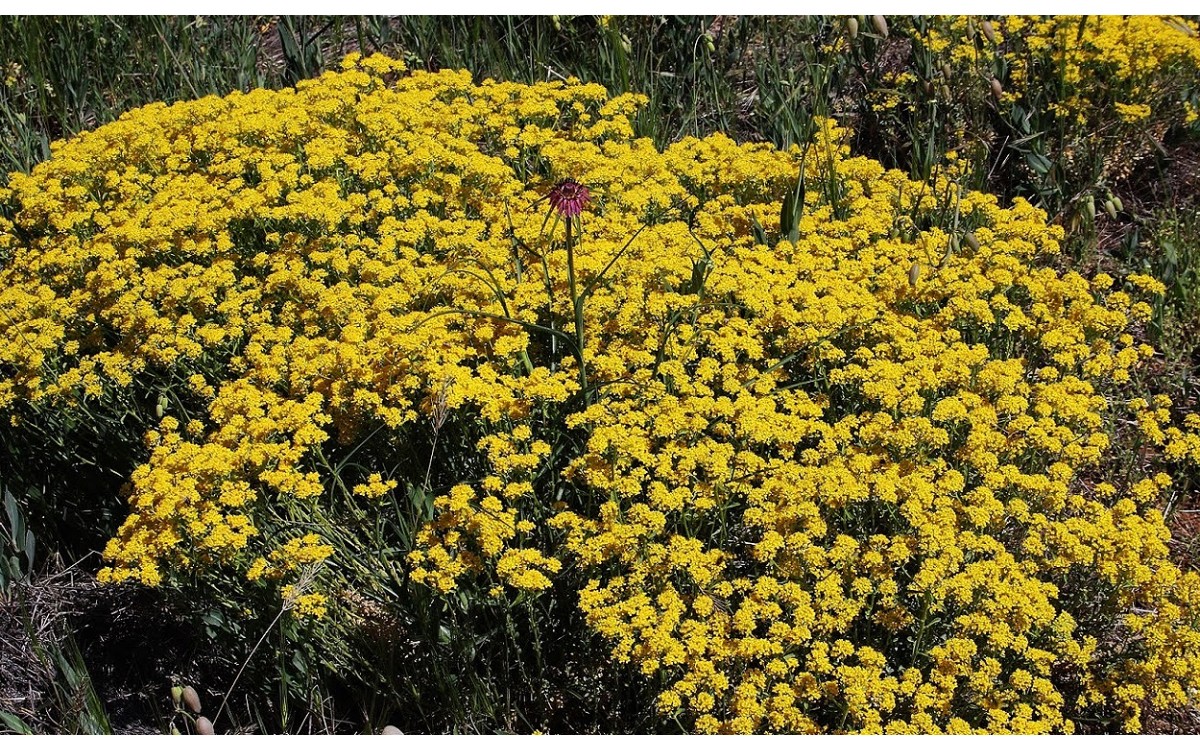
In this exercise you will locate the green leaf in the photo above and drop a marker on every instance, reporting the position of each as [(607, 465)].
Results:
[(14, 723), (1038, 163), (760, 234), (13, 511), (699, 274), (29, 550), (787, 214)]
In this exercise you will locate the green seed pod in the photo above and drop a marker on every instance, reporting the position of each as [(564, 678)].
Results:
[(175, 730), (988, 31), (852, 27), (176, 695), (914, 274), (1111, 209), (708, 42), (204, 726), (880, 24), (1117, 202), (161, 406), (191, 699), (389, 729), (1089, 206), (954, 245), (972, 241)]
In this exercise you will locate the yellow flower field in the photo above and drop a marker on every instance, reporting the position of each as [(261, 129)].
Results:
[(809, 445)]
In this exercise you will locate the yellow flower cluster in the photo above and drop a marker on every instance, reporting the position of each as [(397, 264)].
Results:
[(1130, 55), (840, 482), (1112, 79), (473, 537), (1126, 56), (304, 605), (291, 557)]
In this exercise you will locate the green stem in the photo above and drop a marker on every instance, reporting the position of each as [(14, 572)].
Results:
[(577, 302)]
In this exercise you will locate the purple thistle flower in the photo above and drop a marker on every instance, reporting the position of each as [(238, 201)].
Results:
[(568, 197)]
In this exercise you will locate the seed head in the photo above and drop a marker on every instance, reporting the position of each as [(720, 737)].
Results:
[(569, 198)]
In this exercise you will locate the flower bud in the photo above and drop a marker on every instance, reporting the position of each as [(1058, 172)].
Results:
[(1111, 209), (177, 695), (1117, 202), (997, 89), (972, 241), (204, 726), (880, 24), (914, 273), (852, 27), (988, 31), (389, 729), (1090, 206), (191, 699)]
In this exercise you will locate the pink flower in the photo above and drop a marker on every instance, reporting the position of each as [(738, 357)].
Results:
[(569, 197)]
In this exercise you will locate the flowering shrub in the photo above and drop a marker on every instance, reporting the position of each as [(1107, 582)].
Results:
[(1099, 65), (814, 446), (1079, 100)]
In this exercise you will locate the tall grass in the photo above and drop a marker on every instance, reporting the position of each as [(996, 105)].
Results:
[(753, 78), (67, 74)]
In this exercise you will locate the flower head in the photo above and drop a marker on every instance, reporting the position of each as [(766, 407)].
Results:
[(568, 197)]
